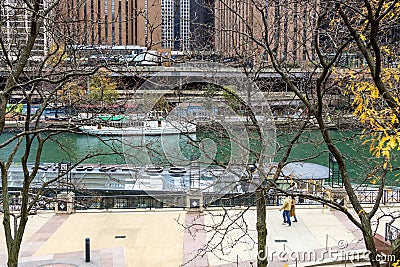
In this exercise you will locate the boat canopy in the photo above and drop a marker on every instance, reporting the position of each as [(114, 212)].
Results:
[(113, 118)]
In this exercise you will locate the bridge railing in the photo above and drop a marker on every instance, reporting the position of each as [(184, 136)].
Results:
[(369, 196), (176, 201), (391, 232)]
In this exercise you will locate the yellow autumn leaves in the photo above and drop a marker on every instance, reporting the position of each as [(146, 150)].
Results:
[(99, 89), (381, 122)]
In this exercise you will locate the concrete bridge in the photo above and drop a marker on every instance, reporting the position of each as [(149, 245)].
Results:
[(177, 76), (199, 69), (192, 69)]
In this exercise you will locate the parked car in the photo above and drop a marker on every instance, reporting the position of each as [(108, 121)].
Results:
[(148, 58), (102, 58), (126, 59)]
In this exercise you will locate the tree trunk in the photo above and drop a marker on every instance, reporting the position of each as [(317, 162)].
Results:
[(369, 243), (15, 246), (262, 257), (13, 258), (369, 240)]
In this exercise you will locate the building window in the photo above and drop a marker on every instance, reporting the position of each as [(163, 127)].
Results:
[(119, 23), (112, 22), (295, 32), (106, 20), (92, 20), (304, 35), (85, 18), (127, 22), (99, 21)]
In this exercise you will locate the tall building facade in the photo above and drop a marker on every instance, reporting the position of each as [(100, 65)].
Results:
[(168, 21), (170, 24), (232, 20), (176, 24), (113, 22), (187, 24), (286, 26), (202, 26), (15, 29)]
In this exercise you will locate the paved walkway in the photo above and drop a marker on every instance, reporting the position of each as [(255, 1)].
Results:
[(175, 237)]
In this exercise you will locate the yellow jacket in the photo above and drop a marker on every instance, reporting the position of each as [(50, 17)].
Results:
[(287, 204)]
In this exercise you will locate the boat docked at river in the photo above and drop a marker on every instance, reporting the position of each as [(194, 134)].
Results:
[(141, 127), (176, 179), (173, 179)]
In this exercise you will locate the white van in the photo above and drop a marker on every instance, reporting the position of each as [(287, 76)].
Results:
[(126, 59), (148, 58)]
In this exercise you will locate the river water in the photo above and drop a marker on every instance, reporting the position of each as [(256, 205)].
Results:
[(148, 150)]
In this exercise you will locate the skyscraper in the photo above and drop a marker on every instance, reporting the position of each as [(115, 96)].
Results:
[(188, 24), (176, 24), (202, 25), (171, 24), (241, 26), (16, 22), (113, 22)]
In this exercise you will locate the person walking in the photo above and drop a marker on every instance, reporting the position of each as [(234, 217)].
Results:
[(286, 210), (293, 209)]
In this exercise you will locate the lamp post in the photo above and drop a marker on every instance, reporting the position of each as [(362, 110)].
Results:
[(334, 174), (15, 210), (63, 168)]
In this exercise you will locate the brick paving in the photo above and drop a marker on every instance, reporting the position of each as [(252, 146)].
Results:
[(42, 235), (102, 257), (194, 241), (163, 238)]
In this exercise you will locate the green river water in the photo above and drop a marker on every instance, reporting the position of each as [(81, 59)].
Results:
[(310, 148)]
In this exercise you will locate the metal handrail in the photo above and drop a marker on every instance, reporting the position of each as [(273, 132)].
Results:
[(369, 196), (391, 232), (366, 196)]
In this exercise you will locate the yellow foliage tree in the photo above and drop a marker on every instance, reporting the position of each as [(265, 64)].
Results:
[(103, 90), (381, 120), (72, 92), (375, 87), (99, 89), (56, 55)]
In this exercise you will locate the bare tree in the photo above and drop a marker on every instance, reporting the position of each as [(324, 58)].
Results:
[(38, 68), (310, 45)]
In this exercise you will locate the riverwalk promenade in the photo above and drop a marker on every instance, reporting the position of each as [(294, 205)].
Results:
[(175, 237)]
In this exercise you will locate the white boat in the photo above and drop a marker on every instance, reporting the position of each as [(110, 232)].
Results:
[(127, 177), (145, 127), (177, 170), (154, 169)]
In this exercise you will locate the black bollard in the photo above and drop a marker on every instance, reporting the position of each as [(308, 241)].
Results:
[(87, 249)]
